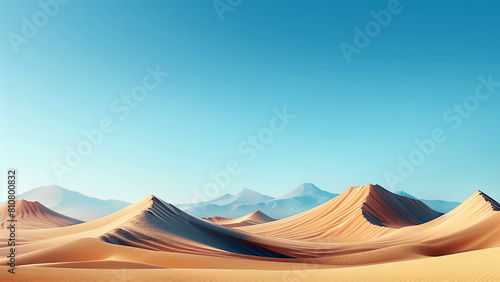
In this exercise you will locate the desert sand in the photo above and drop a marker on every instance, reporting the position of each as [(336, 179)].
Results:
[(257, 217), (33, 215), (366, 234), (483, 265)]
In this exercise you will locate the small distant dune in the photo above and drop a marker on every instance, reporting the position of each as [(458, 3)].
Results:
[(254, 218), (33, 215)]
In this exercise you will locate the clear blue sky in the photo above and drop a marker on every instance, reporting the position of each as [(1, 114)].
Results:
[(353, 120)]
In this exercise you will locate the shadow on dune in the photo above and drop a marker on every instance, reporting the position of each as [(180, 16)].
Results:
[(162, 226)]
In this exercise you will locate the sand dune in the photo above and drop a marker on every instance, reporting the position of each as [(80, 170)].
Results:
[(218, 219), (164, 227), (155, 225), (254, 218), (366, 233), (361, 213), (72, 203), (33, 215), (474, 225)]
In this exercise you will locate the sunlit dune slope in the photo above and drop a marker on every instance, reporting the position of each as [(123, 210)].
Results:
[(473, 225), (360, 213)]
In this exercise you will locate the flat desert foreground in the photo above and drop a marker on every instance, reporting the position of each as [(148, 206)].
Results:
[(483, 265)]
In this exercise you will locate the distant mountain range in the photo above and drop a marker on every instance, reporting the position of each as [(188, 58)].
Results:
[(71, 203), (304, 197), (437, 205)]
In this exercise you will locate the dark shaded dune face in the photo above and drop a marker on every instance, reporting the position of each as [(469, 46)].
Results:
[(494, 204), (383, 208), (163, 227)]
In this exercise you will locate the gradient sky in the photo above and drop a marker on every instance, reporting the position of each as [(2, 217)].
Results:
[(352, 121)]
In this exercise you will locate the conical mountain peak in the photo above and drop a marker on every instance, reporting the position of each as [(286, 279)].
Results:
[(247, 191), (308, 189), (246, 196)]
